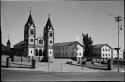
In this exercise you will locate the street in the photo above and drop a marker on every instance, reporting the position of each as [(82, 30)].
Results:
[(12, 75)]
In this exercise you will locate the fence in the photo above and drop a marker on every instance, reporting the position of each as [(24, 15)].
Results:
[(108, 62), (19, 62)]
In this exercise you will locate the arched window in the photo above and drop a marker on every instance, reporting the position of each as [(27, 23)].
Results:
[(32, 32), (40, 52), (40, 41), (31, 40), (51, 34), (51, 41), (36, 52)]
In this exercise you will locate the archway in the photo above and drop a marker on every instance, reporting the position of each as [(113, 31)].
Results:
[(40, 52)]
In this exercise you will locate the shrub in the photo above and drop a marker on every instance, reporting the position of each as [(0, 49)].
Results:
[(74, 58), (67, 62), (92, 62), (102, 62), (84, 62), (70, 62)]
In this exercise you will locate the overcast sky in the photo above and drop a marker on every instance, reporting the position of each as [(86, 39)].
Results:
[(69, 18)]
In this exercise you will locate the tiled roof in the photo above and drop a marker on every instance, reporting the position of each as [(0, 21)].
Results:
[(66, 43), (30, 21), (100, 45), (49, 24), (19, 43)]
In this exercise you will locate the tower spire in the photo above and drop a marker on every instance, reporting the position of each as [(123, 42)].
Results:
[(30, 9), (30, 20), (8, 42), (49, 24), (48, 15)]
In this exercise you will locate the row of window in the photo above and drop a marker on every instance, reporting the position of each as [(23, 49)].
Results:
[(41, 41), (103, 49), (59, 48), (32, 33), (59, 54), (106, 55), (106, 49), (64, 54)]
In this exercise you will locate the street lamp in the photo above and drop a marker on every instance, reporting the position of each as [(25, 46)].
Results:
[(118, 19)]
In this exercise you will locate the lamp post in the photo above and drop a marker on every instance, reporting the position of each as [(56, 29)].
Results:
[(118, 19)]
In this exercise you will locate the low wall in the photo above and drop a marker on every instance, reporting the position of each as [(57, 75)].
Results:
[(22, 59), (100, 60)]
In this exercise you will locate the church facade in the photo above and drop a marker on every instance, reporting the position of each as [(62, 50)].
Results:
[(41, 46)]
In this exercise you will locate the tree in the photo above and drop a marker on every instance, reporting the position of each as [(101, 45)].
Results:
[(87, 42)]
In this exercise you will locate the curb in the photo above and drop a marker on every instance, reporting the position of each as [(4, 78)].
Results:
[(46, 70)]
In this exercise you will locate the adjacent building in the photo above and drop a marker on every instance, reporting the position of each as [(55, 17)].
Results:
[(68, 50), (115, 54), (102, 51), (6, 49)]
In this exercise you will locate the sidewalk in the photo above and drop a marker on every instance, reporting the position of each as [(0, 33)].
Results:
[(57, 67)]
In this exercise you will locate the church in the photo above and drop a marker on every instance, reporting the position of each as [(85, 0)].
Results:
[(41, 46)]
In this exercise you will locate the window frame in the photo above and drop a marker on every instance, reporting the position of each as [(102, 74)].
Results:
[(31, 32), (51, 34)]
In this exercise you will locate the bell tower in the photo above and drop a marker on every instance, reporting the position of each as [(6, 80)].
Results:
[(8, 43), (48, 41), (29, 37)]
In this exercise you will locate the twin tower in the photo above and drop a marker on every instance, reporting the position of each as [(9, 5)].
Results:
[(39, 46)]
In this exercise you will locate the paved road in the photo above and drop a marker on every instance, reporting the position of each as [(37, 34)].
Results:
[(15, 75)]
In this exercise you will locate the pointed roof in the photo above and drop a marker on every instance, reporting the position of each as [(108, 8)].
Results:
[(30, 20), (49, 24), (101, 45), (19, 43), (8, 42)]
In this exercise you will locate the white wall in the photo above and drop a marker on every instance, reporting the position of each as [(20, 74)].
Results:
[(115, 55), (50, 52), (107, 53), (80, 51), (70, 51), (31, 52)]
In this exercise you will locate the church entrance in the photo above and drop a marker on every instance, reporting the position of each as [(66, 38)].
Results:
[(40, 52)]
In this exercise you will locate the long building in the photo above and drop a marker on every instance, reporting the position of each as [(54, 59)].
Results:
[(68, 50)]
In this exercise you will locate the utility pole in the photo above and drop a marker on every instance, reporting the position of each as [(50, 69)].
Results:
[(118, 19), (0, 40), (124, 43)]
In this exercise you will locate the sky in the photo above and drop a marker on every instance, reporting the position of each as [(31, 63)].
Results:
[(69, 19)]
